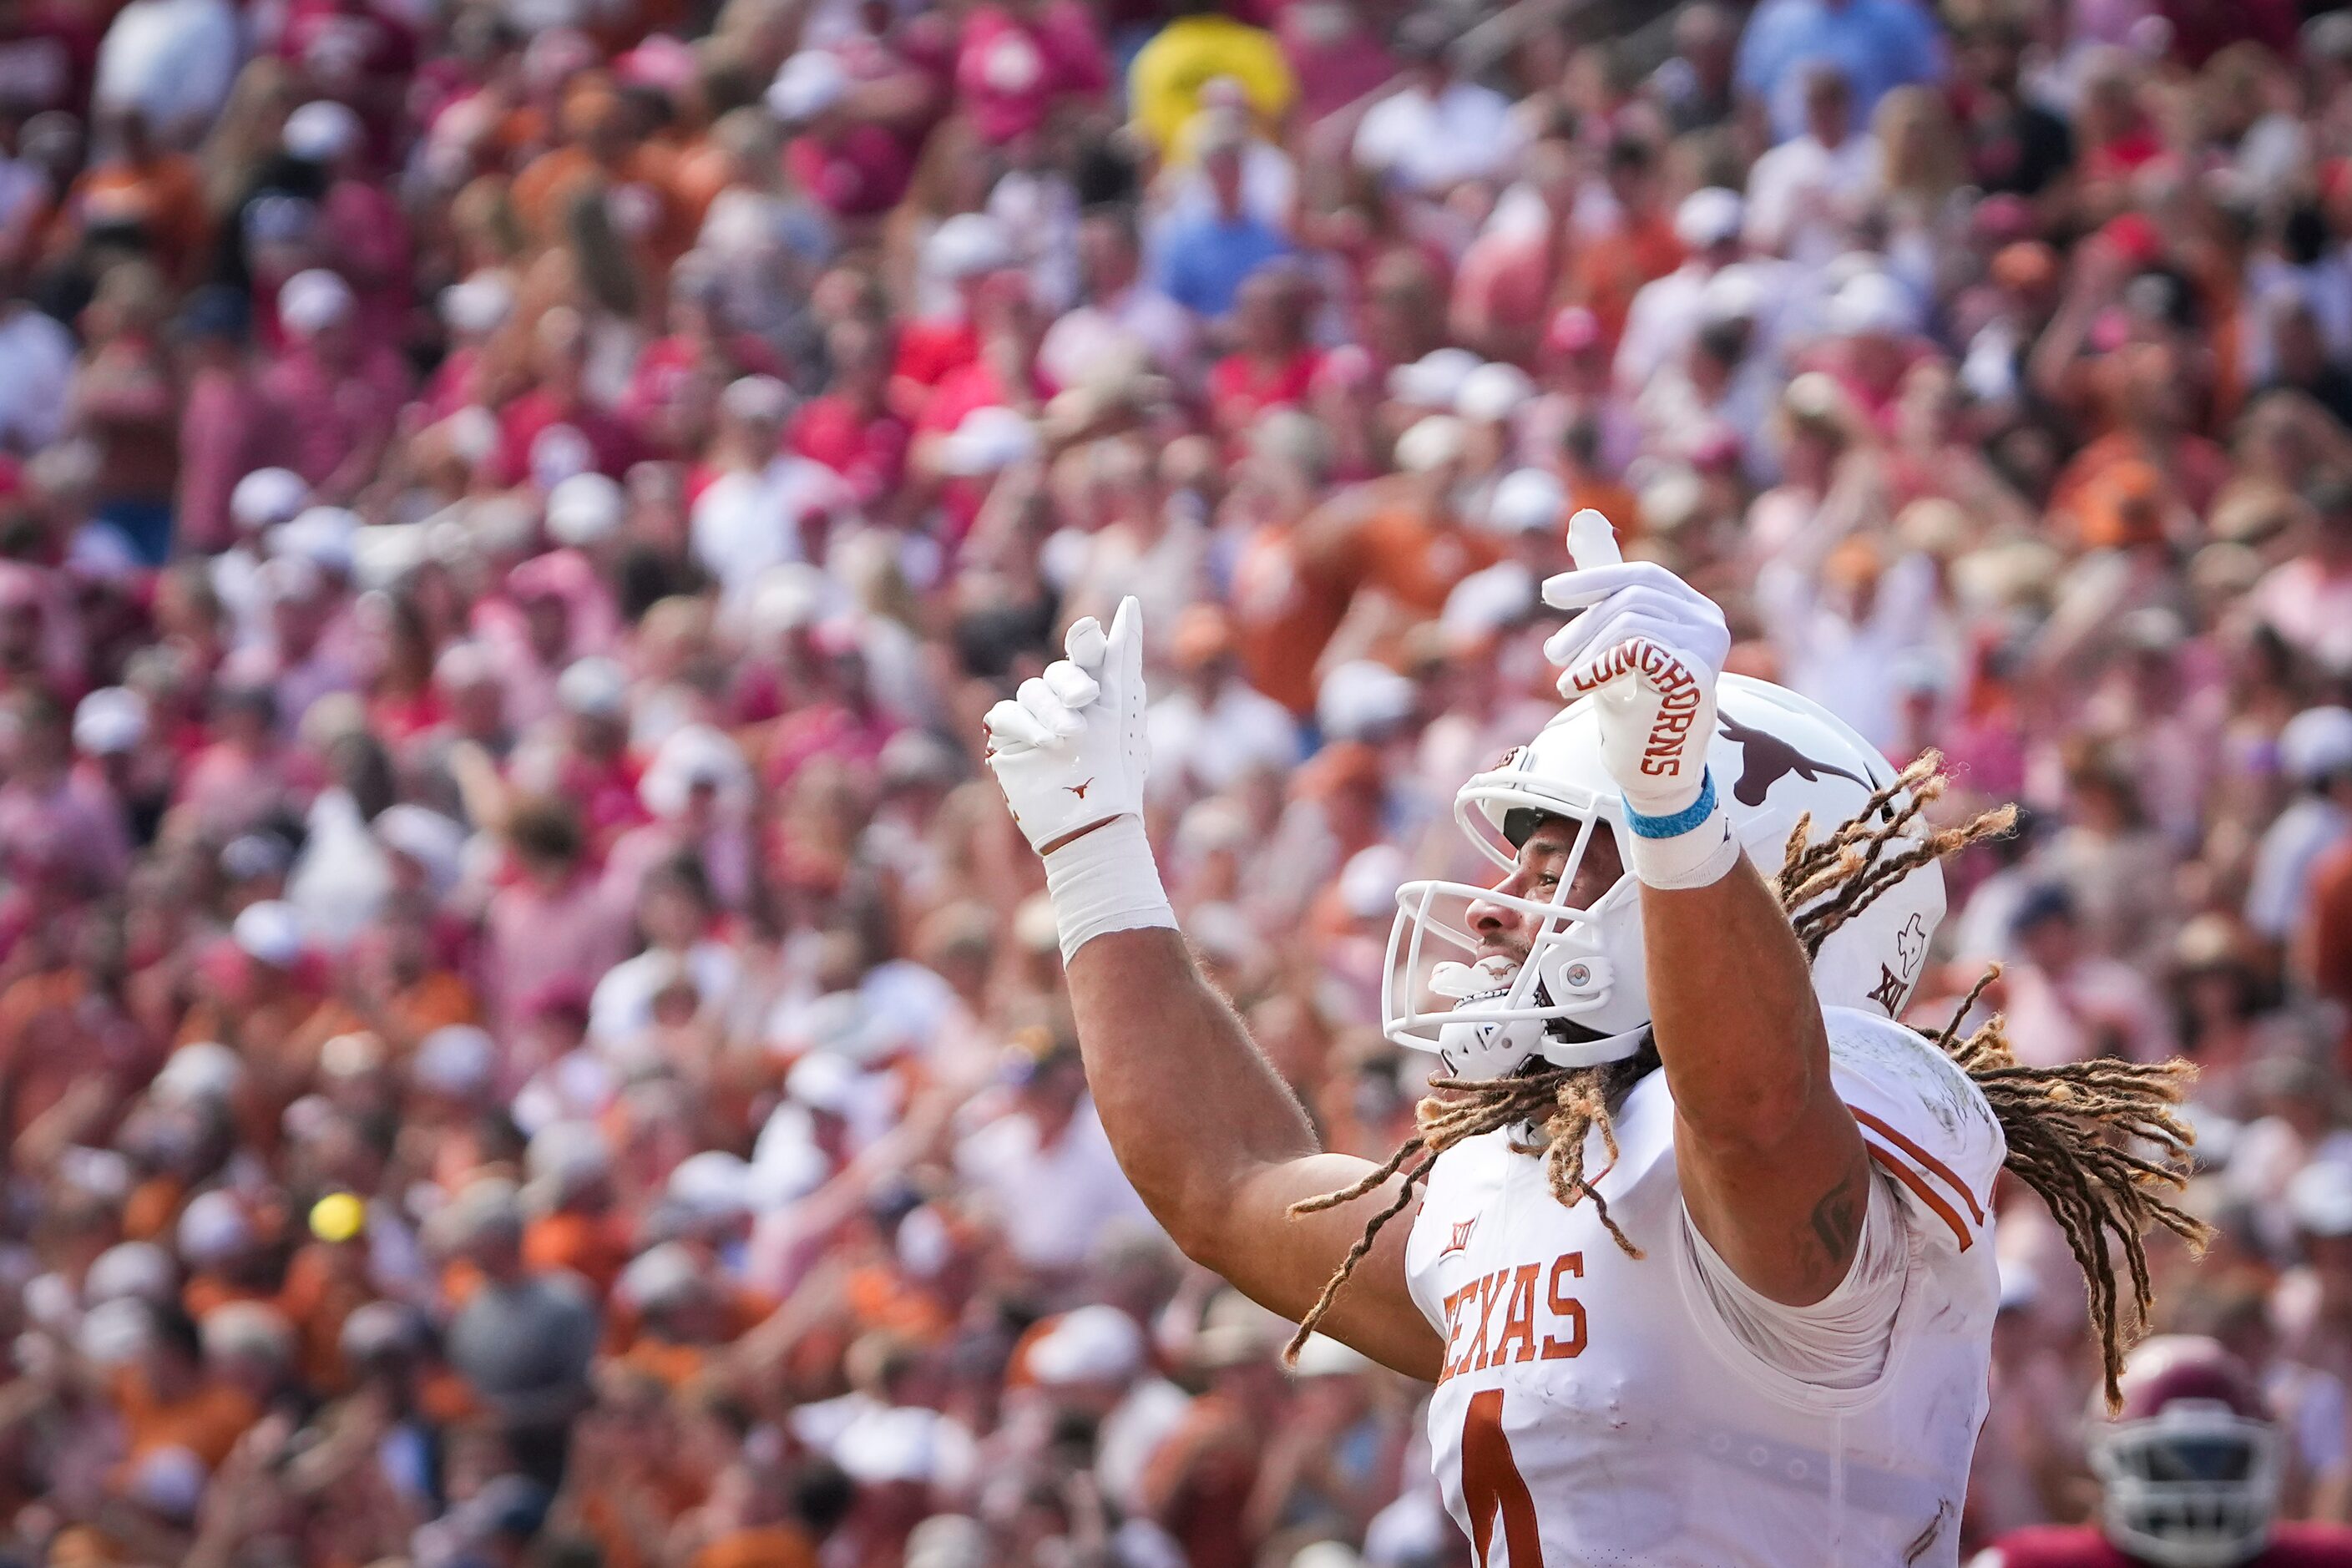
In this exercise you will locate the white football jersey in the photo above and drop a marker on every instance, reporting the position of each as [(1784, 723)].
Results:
[(1597, 1412)]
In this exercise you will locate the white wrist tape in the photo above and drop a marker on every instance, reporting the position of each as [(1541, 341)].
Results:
[(1105, 880), (1692, 848)]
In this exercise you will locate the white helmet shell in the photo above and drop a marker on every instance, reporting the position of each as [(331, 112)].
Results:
[(1581, 998)]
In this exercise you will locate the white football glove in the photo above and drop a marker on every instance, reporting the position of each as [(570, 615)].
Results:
[(1648, 650), (1070, 754)]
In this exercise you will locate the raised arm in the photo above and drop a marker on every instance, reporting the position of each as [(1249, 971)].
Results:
[(1772, 1164), (1212, 1139)]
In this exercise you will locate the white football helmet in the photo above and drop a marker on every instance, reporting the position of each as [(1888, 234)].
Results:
[(1580, 998)]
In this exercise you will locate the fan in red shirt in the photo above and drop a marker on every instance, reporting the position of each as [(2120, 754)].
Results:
[(962, 253), (851, 167), (850, 428), (1274, 364), (560, 404)]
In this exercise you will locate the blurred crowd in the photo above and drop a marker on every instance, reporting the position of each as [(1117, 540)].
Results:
[(528, 1037)]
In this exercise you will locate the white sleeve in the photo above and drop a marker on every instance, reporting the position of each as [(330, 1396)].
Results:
[(1841, 1341), (1925, 1124)]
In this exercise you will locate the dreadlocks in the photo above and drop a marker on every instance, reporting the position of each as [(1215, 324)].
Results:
[(2070, 1128)]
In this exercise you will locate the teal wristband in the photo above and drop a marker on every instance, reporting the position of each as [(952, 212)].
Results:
[(1680, 822)]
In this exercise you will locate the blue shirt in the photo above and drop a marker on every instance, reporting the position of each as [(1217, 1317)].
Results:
[(1879, 45), (1202, 262)]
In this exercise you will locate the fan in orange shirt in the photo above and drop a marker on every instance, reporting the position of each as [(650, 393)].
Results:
[(574, 1223), (172, 1397), (1609, 270), (1295, 583), (602, 147), (134, 184)]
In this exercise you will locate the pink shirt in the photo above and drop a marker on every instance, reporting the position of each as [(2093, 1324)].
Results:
[(1010, 71), (74, 823), (226, 433), (535, 939), (2310, 607), (860, 172), (612, 444), (326, 415)]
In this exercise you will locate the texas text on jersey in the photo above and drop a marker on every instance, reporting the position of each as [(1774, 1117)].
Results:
[(1595, 1408)]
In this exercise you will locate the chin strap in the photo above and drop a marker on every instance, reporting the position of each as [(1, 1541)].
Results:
[(1592, 1053)]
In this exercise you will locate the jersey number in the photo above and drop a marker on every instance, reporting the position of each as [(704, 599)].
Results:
[(1492, 1485)]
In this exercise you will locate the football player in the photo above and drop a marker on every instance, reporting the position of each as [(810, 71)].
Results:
[(2188, 1469), (1697, 1247)]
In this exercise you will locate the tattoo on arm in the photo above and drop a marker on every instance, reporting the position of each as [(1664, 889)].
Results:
[(1837, 1225)]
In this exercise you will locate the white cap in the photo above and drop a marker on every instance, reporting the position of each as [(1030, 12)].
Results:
[(311, 301), (1088, 1345), (247, 1328), (1434, 380), (2316, 743), (824, 1080), (266, 498), (269, 933), (484, 1206), (660, 1277), (695, 754), (966, 246), (168, 1482), (562, 1154), (950, 1541), (1493, 392), (109, 721), (1325, 1553), (1708, 217), (425, 837), (1433, 441), (786, 1171), (811, 82), (904, 1444), (289, 580), (201, 1069), (1323, 1356), (593, 687), (790, 597), (479, 304), (1871, 303), (212, 1228), (139, 1269), (1487, 602), (585, 509), (760, 398), (322, 535), (321, 131), (2319, 1198), (380, 1327), (473, 435), (456, 1060), (1734, 294), (99, 1172), (1528, 500), (988, 441), (112, 1333), (1369, 881), (350, 1054), (712, 1184), (1360, 698)]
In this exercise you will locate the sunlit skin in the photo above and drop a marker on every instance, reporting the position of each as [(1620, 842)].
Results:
[(1771, 1164), (1502, 931)]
